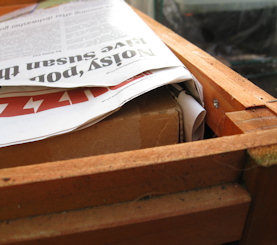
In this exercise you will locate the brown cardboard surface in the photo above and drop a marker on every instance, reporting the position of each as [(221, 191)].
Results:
[(152, 119)]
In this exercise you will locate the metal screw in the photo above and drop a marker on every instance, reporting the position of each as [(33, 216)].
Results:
[(216, 103)]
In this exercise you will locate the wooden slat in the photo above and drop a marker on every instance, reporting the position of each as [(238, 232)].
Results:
[(261, 181), (249, 121), (195, 218), (11, 8), (17, 2), (220, 83), (105, 179), (81, 183)]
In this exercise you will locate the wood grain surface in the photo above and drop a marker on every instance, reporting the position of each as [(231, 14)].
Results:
[(111, 178), (231, 91), (203, 217)]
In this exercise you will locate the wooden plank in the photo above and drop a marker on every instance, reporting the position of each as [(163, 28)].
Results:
[(223, 86), (240, 89), (11, 8), (17, 2), (125, 176), (249, 121), (7, 6), (81, 183), (261, 181), (196, 217)]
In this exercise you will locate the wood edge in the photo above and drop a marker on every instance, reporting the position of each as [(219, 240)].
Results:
[(139, 158), (260, 181), (88, 182), (258, 95), (124, 214), (250, 120), (8, 3), (230, 90)]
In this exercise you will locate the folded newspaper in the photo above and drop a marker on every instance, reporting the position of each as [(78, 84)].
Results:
[(69, 66)]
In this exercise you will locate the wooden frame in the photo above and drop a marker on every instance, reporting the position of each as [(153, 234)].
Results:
[(7, 6), (207, 192)]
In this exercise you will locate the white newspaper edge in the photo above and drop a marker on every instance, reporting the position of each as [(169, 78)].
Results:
[(193, 113), (40, 125)]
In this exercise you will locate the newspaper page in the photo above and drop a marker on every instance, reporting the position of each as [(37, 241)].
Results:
[(81, 43), (34, 113), (68, 67)]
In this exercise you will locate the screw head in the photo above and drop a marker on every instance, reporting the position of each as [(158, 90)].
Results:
[(216, 103)]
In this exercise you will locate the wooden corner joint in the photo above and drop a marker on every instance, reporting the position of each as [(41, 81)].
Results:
[(250, 120)]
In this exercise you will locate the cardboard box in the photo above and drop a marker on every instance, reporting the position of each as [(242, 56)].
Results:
[(152, 119)]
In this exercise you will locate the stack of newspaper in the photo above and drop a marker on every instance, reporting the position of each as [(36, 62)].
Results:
[(69, 66)]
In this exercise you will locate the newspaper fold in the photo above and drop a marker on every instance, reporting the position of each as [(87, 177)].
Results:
[(35, 113), (70, 66)]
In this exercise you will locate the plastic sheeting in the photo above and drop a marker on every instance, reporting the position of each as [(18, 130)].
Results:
[(227, 32)]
